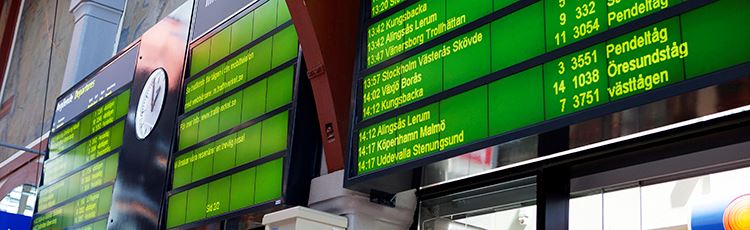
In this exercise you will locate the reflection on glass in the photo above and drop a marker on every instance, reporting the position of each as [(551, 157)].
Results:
[(622, 209), (20, 200), (481, 160), (691, 105), (673, 205), (586, 212), (522, 218), (506, 206), (664, 204)]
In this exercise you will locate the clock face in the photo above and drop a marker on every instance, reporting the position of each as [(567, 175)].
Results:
[(150, 103)]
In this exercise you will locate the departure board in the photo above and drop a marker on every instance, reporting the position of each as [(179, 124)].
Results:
[(101, 224), (89, 124), (234, 129), (439, 75), (240, 190), (82, 165), (93, 148), (93, 176), (77, 212)]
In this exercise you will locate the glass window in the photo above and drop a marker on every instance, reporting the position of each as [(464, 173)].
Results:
[(506, 206), (698, 203), (586, 212), (622, 209), (481, 160), (20, 201), (520, 218)]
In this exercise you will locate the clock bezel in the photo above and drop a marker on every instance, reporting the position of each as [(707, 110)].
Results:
[(158, 112)]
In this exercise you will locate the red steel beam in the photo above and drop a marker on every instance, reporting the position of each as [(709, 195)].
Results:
[(327, 32)]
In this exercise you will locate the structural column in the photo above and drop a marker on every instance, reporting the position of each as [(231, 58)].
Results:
[(94, 37), (553, 183)]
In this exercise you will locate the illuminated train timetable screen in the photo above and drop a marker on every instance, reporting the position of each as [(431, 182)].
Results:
[(438, 78), (238, 106), (81, 169)]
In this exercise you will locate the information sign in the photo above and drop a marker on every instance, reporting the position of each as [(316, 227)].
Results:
[(93, 176), (76, 212), (82, 160), (511, 65), (234, 131), (92, 90)]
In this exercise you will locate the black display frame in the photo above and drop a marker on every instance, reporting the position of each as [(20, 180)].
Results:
[(134, 47), (378, 177), (140, 175), (301, 158)]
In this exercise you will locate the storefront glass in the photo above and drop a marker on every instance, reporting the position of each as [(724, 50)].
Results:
[(690, 203), (506, 206)]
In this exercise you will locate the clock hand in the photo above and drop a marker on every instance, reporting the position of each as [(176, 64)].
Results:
[(153, 100), (152, 96)]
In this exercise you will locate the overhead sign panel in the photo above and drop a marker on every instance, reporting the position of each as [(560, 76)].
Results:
[(210, 13), (96, 161), (444, 77), (93, 90), (234, 153), (82, 163)]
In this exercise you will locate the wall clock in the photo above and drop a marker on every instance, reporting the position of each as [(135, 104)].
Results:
[(150, 103)]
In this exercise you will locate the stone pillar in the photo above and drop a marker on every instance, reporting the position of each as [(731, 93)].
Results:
[(94, 37), (328, 194)]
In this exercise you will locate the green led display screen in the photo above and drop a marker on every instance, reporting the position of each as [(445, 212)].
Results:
[(508, 40), (95, 147), (250, 27), (244, 67), (379, 6), (107, 113), (93, 176), (700, 40), (102, 224), (236, 118), (566, 21), (82, 159), (243, 189), (77, 212), (247, 145), (250, 103)]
